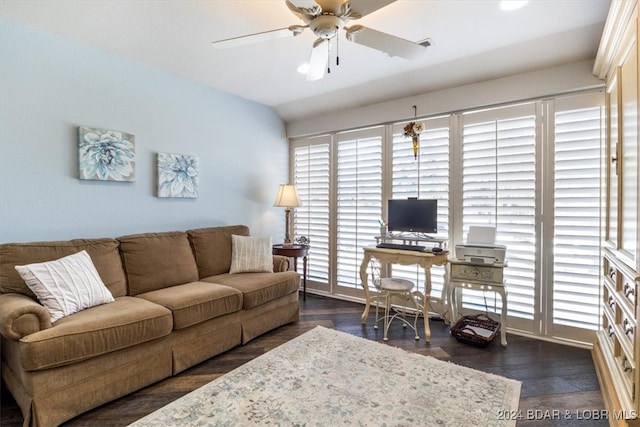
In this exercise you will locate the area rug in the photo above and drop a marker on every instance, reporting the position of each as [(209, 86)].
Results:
[(329, 378)]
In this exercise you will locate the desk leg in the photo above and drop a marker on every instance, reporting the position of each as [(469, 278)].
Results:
[(503, 316), (453, 304), (365, 285), (304, 278), (426, 302)]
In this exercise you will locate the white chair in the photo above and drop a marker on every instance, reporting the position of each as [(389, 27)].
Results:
[(388, 288)]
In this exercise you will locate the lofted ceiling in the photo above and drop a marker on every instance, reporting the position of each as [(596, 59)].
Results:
[(473, 40)]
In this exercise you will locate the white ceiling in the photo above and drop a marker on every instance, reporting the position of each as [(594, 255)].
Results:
[(473, 40)]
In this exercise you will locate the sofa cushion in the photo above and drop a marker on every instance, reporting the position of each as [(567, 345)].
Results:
[(103, 252), (66, 285), (196, 302), (212, 248), (251, 255), (157, 260), (97, 330), (259, 288)]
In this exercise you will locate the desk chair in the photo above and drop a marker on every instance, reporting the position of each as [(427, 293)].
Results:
[(388, 288)]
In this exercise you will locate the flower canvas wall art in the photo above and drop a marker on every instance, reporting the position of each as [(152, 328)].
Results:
[(178, 175), (106, 155)]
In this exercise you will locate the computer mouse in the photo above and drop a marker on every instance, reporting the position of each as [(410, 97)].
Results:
[(436, 250)]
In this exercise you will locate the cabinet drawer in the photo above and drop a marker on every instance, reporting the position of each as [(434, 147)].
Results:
[(619, 278), (628, 288), (483, 273), (610, 273), (608, 330), (626, 369), (628, 330)]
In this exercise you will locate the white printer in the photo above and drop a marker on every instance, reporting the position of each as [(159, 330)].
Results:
[(481, 247)]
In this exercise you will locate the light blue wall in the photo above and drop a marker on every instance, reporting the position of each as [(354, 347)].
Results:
[(50, 85)]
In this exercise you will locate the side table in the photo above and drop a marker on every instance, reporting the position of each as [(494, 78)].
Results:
[(295, 252), (479, 277)]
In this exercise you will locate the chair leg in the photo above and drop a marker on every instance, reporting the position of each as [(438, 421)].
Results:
[(387, 305), (415, 323), (404, 313), (375, 323)]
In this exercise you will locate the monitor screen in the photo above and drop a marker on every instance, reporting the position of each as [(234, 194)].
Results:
[(414, 215)]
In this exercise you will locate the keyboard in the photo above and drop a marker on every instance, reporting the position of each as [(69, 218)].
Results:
[(401, 247)]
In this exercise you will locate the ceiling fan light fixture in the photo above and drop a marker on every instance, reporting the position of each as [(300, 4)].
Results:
[(326, 26)]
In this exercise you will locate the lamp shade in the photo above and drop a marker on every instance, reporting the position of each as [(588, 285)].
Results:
[(287, 196)]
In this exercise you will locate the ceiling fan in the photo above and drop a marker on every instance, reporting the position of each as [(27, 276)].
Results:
[(325, 18)]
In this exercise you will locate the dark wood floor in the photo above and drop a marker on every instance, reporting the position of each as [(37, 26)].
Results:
[(557, 381)]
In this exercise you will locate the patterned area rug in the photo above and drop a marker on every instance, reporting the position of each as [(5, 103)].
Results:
[(328, 378)]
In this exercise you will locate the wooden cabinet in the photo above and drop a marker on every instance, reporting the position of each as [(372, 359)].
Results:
[(617, 349)]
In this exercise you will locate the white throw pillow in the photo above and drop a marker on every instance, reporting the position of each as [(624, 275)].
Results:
[(251, 254), (66, 285)]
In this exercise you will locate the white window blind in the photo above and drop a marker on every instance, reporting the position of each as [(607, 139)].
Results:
[(532, 170), (499, 189), (358, 200), (312, 171), (426, 177), (576, 238)]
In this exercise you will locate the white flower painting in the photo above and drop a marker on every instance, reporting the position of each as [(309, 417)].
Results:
[(106, 155), (178, 175)]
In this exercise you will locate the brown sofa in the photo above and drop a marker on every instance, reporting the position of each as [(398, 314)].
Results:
[(175, 305)]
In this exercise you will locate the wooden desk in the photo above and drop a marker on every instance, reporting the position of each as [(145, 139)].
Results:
[(402, 257), (295, 251)]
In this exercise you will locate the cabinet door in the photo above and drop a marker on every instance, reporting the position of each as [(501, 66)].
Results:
[(612, 165), (629, 153)]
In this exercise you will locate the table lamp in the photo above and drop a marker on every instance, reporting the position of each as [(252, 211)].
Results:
[(287, 198)]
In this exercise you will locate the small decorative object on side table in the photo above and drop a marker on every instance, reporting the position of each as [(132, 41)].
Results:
[(295, 251)]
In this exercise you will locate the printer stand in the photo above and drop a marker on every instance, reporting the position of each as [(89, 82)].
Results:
[(479, 277)]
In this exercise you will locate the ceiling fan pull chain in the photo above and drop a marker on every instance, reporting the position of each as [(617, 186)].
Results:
[(337, 51), (328, 56)]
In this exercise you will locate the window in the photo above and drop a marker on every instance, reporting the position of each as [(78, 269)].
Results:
[(530, 169), (499, 189), (576, 243), (358, 201), (311, 172), (426, 177)]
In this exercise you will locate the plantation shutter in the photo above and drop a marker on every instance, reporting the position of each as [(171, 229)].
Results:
[(426, 177), (499, 189), (576, 239), (358, 201), (312, 171)]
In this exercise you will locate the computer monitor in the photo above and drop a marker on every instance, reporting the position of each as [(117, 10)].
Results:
[(413, 215)]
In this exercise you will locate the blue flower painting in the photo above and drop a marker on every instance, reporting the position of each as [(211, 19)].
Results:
[(106, 155), (177, 175)]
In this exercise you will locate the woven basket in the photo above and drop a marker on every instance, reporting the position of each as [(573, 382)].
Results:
[(477, 330)]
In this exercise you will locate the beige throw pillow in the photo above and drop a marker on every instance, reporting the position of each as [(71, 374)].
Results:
[(66, 285), (251, 254)]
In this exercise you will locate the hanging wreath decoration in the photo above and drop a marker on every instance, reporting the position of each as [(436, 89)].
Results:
[(413, 131)]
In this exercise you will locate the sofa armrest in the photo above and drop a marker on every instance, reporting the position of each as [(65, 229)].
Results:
[(281, 263), (21, 316)]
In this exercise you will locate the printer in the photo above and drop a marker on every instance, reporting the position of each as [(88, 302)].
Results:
[(480, 247)]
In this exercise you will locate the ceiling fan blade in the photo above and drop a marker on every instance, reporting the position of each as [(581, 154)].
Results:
[(391, 45), (365, 7), (304, 9), (318, 60), (293, 30)]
